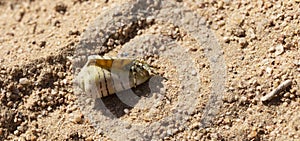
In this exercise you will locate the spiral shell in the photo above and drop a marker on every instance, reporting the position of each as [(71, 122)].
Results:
[(102, 76)]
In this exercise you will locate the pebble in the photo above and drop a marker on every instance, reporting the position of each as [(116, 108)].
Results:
[(272, 49), (49, 108), (42, 44), (279, 49), (60, 8), (297, 63), (194, 72), (221, 23), (195, 125), (16, 132), (243, 99), (252, 134), (126, 111), (193, 49), (24, 81), (150, 19), (243, 42), (60, 74), (162, 48), (78, 118), (169, 132), (285, 104), (226, 39), (269, 70), (20, 51), (90, 138)]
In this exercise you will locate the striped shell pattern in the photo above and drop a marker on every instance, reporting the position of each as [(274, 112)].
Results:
[(102, 76)]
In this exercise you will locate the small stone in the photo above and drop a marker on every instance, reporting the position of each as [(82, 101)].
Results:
[(169, 132), (243, 99), (271, 49), (297, 63), (65, 81), (126, 111), (20, 15), (128, 126), (269, 70), (78, 118), (21, 129), (197, 138), (243, 42), (195, 125), (252, 134), (89, 138), (71, 32), (49, 108), (285, 104), (20, 51), (150, 19), (60, 74), (60, 8), (10, 104), (194, 73), (16, 132), (24, 81), (238, 31), (221, 23), (193, 49), (43, 44), (162, 48), (227, 120), (226, 39), (279, 49), (286, 95), (110, 42), (220, 4)]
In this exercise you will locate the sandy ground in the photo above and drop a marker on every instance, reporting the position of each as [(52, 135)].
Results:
[(257, 42)]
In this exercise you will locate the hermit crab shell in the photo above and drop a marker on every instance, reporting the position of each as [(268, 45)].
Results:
[(103, 76)]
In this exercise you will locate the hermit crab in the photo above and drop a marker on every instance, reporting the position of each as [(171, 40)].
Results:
[(102, 76)]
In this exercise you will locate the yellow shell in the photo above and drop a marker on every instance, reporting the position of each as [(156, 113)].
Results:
[(103, 76)]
